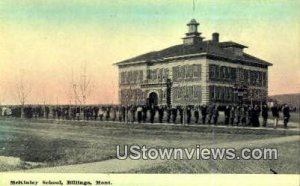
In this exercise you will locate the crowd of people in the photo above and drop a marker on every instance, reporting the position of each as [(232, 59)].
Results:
[(205, 114)]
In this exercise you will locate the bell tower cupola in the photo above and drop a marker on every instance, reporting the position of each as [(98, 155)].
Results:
[(192, 36)]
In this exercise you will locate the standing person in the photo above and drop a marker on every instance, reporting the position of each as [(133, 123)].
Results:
[(145, 110), (250, 115), (132, 113), (215, 114), (58, 112), (66, 113), (180, 109), (84, 113), (123, 113), (139, 114), (188, 114), (169, 113), (78, 111), (117, 113), (100, 113), (128, 114), (286, 115), (120, 112), (232, 115), (211, 109), (275, 113), (114, 113), (227, 114), (160, 114), (174, 114), (265, 114), (152, 114), (255, 117), (95, 110), (196, 114), (47, 111), (73, 113), (237, 115), (204, 113), (243, 116), (107, 112)]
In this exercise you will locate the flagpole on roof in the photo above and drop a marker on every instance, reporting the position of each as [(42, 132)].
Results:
[(193, 7)]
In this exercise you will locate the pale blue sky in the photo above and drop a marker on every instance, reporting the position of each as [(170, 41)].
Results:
[(48, 38), (139, 12)]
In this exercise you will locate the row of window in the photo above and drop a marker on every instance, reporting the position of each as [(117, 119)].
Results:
[(227, 94), (158, 75), (254, 78), (132, 94), (187, 93), (131, 77), (220, 93), (231, 74), (186, 72), (222, 73)]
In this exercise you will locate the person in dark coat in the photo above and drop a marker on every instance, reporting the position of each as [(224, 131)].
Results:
[(255, 116), (123, 113), (250, 115), (211, 109), (58, 112), (286, 115), (145, 110), (78, 111), (188, 114), (196, 114), (243, 116), (169, 113), (180, 109), (95, 112), (160, 114), (275, 113), (152, 114), (227, 114), (107, 116), (204, 113), (232, 115), (134, 109), (237, 115), (47, 111), (265, 114), (120, 113), (215, 114), (174, 114), (139, 113)]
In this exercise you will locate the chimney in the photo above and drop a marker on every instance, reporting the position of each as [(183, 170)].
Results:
[(215, 37)]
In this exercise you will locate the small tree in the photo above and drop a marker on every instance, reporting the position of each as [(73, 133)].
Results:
[(22, 91), (81, 86)]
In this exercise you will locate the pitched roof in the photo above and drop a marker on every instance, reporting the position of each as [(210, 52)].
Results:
[(206, 47), (231, 44)]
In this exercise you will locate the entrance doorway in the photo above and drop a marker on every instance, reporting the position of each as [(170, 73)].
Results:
[(153, 99)]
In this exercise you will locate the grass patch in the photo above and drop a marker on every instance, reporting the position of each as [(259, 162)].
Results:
[(62, 143), (287, 163)]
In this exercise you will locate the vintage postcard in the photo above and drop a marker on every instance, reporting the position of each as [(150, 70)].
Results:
[(149, 92)]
